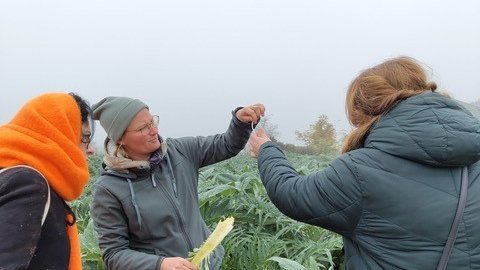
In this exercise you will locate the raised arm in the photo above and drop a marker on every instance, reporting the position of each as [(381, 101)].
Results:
[(329, 198), (211, 149)]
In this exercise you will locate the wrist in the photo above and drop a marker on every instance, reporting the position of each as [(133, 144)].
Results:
[(235, 112), (160, 263)]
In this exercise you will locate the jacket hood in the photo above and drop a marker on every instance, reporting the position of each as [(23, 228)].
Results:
[(105, 170), (428, 128)]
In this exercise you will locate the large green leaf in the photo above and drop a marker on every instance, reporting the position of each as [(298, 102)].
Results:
[(287, 264)]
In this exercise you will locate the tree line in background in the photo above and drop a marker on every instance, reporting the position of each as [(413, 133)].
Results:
[(319, 139)]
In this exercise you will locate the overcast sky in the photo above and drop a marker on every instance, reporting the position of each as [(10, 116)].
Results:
[(194, 61)]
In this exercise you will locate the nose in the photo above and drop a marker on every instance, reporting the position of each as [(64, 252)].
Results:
[(90, 150), (153, 129)]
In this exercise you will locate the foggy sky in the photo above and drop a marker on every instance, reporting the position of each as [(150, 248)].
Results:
[(193, 62)]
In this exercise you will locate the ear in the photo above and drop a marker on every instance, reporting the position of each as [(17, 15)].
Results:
[(120, 141)]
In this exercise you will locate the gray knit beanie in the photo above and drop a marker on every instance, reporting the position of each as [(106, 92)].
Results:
[(115, 114)]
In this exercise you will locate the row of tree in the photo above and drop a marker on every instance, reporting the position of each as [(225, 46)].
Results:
[(320, 138)]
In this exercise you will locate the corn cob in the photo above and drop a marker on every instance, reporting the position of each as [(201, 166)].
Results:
[(222, 229)]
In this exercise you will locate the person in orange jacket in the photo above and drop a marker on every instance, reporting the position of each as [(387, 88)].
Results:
[(43, 152)]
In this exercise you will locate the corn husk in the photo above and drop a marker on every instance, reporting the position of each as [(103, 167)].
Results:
[(222, 229)]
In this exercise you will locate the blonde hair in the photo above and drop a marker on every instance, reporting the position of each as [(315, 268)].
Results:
[(376, 90)]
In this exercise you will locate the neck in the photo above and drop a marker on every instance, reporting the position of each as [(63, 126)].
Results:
[(140, 157)]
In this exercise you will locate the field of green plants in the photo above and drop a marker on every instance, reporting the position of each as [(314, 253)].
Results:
[(262, 237)]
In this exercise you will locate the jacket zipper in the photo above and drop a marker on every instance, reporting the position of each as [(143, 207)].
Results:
[(180, 220), (174, 181)]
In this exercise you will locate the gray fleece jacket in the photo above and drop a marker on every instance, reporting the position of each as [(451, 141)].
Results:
[(145, 215)]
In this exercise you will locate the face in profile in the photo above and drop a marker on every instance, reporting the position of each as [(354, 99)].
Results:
[(141, 136), (86, 139)]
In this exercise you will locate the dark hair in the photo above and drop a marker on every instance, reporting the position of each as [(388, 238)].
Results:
[(85, 112)]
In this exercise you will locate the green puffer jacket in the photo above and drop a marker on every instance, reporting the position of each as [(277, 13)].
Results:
[(145, 215), (393, 200)]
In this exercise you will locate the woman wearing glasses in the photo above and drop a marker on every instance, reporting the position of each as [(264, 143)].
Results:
[(43, 152), (145, 203)]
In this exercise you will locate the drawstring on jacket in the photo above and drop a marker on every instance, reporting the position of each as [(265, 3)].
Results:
[(174, 181), (154, 183)]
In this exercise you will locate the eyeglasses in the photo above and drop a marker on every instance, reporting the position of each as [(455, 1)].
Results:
[(145, 129), (86, 138), (87, 133)]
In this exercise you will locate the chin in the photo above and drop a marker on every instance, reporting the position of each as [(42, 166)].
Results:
[(154, 145)]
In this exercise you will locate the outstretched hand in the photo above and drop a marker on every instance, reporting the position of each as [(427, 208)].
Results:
[(177, 263), (251, 113), (257, 139)]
